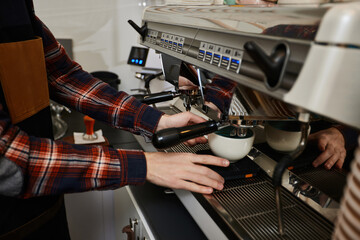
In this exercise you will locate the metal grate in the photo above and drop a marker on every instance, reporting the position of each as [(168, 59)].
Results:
[(251, 203), (183, 148), (331, 182), (298, 226)]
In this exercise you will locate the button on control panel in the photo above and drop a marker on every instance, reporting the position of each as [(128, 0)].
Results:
[(152, 36), (221, 56), (169, 41)]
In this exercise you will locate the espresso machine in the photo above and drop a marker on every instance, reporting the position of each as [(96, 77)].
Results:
[(290, 63)]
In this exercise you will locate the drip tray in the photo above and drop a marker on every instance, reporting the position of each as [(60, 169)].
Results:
[(248, 204), (251, 203)]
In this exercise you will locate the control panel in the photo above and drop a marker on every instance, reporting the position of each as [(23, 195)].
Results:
[(221, 56)]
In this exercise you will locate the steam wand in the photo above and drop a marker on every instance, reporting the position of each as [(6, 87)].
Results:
[(283, 164)]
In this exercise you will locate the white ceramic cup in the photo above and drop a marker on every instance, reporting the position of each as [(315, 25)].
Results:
[(283, 138), (231, 148)]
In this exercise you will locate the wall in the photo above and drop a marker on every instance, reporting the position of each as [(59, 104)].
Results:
[(101, 36), (102, 39)]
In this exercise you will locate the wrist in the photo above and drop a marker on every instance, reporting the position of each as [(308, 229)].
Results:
[(162, 122)]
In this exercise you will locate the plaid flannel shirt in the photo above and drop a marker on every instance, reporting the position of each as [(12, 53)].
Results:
[(54, 167)]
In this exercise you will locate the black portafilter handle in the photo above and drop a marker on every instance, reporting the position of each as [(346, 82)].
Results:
[(155, 97), (169, 137)]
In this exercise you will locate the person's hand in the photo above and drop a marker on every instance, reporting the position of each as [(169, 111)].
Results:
[(181, 120), (185, 171), (186, 84), (332, 144)]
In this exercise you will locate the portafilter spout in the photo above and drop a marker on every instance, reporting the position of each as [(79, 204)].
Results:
[(283, 164)]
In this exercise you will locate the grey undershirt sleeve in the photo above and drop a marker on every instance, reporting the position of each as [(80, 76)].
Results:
[(11, 178)]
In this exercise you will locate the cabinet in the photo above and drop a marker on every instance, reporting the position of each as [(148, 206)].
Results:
[(130, 222)]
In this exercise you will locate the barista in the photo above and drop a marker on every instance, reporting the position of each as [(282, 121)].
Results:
[(34, 170)]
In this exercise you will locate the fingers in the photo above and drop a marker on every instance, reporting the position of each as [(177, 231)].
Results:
[(321, 159), (330, 157), (205, 177), (331, 161), (185, 83), (207, 172), (202, 178), (185, 171), (339, 164), (211, 160), (193, 187), (195, 118), (195, 141)]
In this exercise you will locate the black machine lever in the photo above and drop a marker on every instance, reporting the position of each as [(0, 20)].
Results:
[(273, 65), (141, 30), (172, 136), (156, 97), (151, 77)]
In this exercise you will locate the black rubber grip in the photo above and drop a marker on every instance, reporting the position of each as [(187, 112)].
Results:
[(172, 136), (155, 97)]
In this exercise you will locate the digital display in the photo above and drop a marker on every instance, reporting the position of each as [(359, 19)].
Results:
[(138, 56)]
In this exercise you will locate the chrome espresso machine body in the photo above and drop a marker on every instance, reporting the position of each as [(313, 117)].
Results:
[(290, 63)]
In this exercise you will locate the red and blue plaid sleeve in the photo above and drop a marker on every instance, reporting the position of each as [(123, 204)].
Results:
[(72, 86), (54, 167)]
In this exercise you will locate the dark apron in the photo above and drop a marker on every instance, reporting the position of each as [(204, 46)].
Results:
[(24, 95)]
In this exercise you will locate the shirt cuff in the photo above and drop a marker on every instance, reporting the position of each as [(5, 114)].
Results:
[(350, 136), (134, 171), (148, 119)]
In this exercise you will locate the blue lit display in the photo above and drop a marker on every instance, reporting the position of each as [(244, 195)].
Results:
[(209, 53), (138, 56), (217, 55), (235, 61), (226, 58)]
